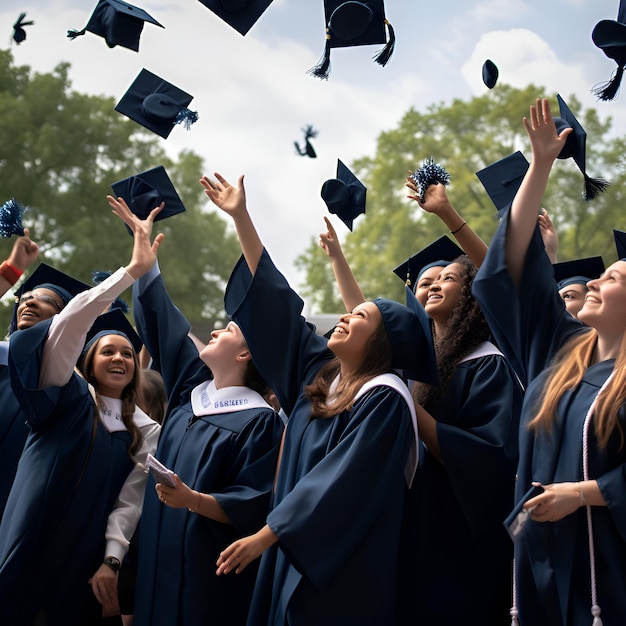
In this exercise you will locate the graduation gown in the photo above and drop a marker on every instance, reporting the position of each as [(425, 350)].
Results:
[(231, 456), (13, 428), (552, 558), (457, 564), (340, 488), (52, 534)]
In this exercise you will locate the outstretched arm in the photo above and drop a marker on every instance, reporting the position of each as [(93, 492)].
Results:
[(349, 289), (232, 200), (23, 255), (546, 145), (436, 201)]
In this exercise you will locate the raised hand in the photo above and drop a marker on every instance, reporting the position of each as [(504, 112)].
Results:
[(230, 199), (546, 143)]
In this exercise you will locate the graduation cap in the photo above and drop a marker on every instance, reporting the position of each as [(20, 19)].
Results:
[(610, 37), (145, 191), (345, 195), (11, 218), (620, 243), (113, 322), (439, 253), (156, 104), (578, 271), (490, 74), (118, 22), (240, 14), (47, 277), (19, 34), (355, 24), (503, 178), (308, 150)]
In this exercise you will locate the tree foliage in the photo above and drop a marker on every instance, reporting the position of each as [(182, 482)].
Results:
[(464, 137), (59, 154)]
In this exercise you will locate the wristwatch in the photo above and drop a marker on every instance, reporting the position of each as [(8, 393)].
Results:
[(113, 563)]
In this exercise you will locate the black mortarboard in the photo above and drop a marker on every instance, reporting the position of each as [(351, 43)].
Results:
[(620, 243), (439, 253), (345, 195), (109, 323), (578, 271), (355, 23), (610, 37), (145, 191), (156, 104), (575, 147), (47, 277), (19, 34), (490, 74), (503, 178), (119, 23), (240, 14)]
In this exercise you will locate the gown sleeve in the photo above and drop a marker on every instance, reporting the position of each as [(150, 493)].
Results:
[(284, 346), (530, 323)]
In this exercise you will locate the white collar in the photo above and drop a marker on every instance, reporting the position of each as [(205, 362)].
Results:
[(207, 399)]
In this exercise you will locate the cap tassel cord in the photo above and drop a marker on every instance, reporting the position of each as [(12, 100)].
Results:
[(514, 613), (72, 34), (608, 91), (322, 69), (595, 608), (594, 186), (383, 56), (186, 117)]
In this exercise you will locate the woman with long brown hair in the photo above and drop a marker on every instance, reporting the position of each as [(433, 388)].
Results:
[(571, 554)]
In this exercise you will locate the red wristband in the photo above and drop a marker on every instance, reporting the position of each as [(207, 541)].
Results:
[(9, 272)]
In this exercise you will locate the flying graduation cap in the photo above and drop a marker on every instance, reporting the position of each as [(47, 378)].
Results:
[(240, 14), (610, 37), (308, 150), (345, 195), (440, 253), (503, 178), (19, 34), (355, 24), (490, 74), (575, 147), (156, 104), (119, 23)]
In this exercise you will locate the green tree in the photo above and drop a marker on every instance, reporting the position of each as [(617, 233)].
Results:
[(464, 137), (59, 154)]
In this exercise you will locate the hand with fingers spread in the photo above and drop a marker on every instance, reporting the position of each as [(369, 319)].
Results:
[(546, 142), (230, 199), (144, 251)]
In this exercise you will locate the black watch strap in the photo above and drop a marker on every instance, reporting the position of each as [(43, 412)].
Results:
[(113, 563)]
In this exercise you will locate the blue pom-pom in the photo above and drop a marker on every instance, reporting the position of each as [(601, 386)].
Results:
[(186, 117), (429, 174), (11, 218)]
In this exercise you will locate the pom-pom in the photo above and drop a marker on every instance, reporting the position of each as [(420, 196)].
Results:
[(97, 276), (11, 218), (186, 117), (594, 186), (382, 57), (429, 174)]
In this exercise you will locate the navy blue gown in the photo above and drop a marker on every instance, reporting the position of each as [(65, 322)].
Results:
[(340, 489), (552, 558), (68, 478), (231, 456), (13, 428), (457, 561)]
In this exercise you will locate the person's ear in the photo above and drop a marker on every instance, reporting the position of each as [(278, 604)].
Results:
[(244, 356)]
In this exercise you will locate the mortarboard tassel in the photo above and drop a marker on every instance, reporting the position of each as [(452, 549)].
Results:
[(595, 611), (186, 117), (383, 56), (11, 218), (608, 91), (322, 69), (72, 34), (594, 186)]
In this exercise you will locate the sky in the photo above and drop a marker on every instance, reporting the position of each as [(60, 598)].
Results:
[(254, 96)]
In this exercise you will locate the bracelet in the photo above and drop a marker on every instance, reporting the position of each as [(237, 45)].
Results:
[(9, 272), (581, 496), (197, 506), (454, 232)]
